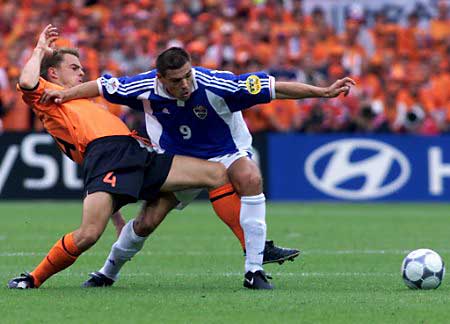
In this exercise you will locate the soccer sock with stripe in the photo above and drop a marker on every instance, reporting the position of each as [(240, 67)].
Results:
[(126, 246), (253, 221), (227, 205), (62, 255)]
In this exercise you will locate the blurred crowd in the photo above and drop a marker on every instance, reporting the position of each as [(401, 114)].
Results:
[(401, 64)]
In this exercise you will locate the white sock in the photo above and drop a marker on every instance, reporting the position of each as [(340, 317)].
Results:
[(253, 222), (126, 246)]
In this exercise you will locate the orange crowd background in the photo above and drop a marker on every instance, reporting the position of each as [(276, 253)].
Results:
[(402, 69)]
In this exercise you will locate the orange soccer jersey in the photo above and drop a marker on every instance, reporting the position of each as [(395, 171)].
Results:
[(73, 124)]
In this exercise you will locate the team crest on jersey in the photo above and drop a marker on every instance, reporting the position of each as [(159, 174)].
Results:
[(200, 111), (253, 84), (112, 85)]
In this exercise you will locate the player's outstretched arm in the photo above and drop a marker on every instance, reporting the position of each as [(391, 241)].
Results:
[(298, 90), (85, 90), (29, 77)]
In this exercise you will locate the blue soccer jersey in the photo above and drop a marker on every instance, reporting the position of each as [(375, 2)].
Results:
[(208, 124)]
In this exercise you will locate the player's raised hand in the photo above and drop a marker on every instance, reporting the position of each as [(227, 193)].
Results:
[(56, 96), (340, 86), (48, 36)]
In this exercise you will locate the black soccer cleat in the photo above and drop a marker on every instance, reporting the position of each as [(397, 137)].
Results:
[(273, 253), (25, 281), (257, 280), (97, 279)]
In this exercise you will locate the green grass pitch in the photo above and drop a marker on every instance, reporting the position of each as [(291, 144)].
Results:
[(190, 270)]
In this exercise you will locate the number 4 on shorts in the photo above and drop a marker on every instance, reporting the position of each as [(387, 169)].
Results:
[(110, 178)]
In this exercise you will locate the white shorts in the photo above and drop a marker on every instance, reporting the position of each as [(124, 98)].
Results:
[(185, 197)]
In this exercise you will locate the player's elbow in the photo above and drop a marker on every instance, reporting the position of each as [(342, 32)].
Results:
[(27, 83)]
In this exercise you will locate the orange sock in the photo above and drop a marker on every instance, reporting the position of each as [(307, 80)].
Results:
[(227, 205), (60, 256)]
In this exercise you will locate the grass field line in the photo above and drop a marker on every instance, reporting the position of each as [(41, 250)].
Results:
[(277, 274), (359, 252), (224, 253), (237, 274)]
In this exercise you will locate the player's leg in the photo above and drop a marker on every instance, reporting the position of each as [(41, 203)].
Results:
[(131, 239), (246, 177), (192, 172), (227, 206), (253, 211), (118, 222), (97, 208), (187, 172), (212, 175)]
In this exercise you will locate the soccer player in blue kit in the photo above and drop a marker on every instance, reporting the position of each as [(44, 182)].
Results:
[(196, 111)]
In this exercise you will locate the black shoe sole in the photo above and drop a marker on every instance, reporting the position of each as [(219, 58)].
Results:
[(268, 287), (260, 288), (286, 258)]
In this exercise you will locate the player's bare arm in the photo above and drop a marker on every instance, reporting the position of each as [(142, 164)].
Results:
[(298, 90), (29, 77), (85, 90)]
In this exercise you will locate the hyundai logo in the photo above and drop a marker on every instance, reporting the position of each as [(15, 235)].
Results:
[(357, 169)]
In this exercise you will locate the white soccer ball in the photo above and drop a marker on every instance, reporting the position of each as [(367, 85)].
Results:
[(423, 269)]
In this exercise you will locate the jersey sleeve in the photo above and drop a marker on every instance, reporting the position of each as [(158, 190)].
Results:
[(31, 96), (128, 91), (245, 90)]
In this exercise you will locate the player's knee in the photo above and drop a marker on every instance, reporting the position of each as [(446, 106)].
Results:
[(87, 238), (248, 183), (144, 226)]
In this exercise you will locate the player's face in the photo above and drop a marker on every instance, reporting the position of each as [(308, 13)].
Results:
[(70, 72), (179, 82)]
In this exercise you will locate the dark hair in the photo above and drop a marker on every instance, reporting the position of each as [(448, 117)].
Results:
[(55, 59), (171, 59)]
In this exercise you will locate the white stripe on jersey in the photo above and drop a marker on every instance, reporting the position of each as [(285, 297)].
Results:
[(154, 128), (238, 129), (135, 84), (237, 88), (144, 86), (220, 71), (126, 85), (230, 83), (132, 87), (224, 83), (220, 81), (209, 84), (216, 82), (264, 84)]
